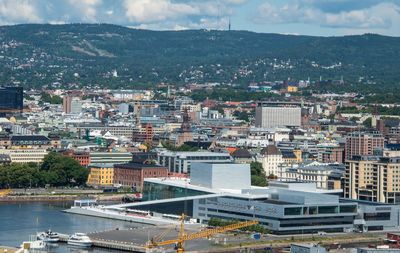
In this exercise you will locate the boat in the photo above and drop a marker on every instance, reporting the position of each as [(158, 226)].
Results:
[(79, 239), (48, 236), (33, 244)]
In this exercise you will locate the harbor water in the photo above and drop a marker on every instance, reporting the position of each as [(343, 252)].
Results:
[(20, 220)]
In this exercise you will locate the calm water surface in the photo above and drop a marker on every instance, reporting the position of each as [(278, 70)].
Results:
[(20, 220)]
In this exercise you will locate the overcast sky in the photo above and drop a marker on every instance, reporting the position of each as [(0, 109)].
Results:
[(309, 17)]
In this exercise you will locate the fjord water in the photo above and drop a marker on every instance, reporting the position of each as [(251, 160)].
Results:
[(19, 220)]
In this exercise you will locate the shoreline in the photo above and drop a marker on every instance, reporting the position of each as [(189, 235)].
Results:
[(58, 198)]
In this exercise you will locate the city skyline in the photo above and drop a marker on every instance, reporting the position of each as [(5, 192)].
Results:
[(305, 17)]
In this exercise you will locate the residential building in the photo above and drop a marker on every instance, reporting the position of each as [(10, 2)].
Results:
[(363, 143), (242, 156), (101, 175), (133, 174), (278, 114), (180, 162), (270, 158), (330, 154), (373, 178)]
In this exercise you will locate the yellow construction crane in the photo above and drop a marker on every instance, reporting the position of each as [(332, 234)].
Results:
[(182, 236)]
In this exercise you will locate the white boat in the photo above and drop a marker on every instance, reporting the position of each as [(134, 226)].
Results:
[(33, 244), (48, 236), (79, 239)]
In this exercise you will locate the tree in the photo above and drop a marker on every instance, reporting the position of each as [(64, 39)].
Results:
[(62, 170), (258, 177)]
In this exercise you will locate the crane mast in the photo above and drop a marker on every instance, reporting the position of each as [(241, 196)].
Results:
[(182, 236)]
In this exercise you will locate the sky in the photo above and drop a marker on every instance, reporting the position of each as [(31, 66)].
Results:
[(305, 17)]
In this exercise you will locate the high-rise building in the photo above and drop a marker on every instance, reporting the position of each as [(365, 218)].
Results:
[(72, 105), (67, 104), (363, 143), (76, 106), (11, 98), (278, 114), (373, 178)]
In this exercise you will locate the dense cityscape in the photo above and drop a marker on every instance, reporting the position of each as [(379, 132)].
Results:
[(114, 138)]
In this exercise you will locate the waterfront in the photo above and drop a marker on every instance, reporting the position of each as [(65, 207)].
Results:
[(19, 220)]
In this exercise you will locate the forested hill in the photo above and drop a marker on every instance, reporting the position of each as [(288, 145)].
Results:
[(87, 54)]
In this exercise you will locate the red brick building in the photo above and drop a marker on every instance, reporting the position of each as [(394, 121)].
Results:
[(133, 174), (332, 155), (362, 143), (82, 157)]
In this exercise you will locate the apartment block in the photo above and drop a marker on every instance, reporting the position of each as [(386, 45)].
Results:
[(373, 178), (363, 143)]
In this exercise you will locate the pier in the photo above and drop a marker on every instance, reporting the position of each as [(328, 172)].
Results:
[(101, 241)]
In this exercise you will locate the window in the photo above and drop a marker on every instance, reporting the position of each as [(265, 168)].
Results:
[(293, 210), (348, 209), (328, 209), (377, 216)]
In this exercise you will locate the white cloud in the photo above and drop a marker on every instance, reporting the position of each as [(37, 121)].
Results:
[(378, 16), (18, 11), (148, 11), (88, 8)]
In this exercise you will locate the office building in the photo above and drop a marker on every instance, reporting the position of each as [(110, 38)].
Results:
[(11, 99), (325, 176), (27, 155), (133, 174), (373, 178), (110, 157), (118, 131), (180, 162), (100, 175), (82, 157), (72, 105), (363, 143), (76, 106), (278, 114), (67, 104)]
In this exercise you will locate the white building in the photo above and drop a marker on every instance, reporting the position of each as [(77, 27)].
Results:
[(25, 155), (271, 158), (278, 115), (76, 106), (180, 162)]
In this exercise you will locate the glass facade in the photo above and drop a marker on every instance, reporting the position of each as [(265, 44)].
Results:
[(154, 191), (11, 98)]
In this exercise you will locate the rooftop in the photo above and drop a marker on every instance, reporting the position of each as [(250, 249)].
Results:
[(138, 166)]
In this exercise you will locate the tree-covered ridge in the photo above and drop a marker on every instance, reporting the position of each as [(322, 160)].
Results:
[(86, 54)]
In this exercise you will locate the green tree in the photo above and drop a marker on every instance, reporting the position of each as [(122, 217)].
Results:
[(258, 177), (62, 170)]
